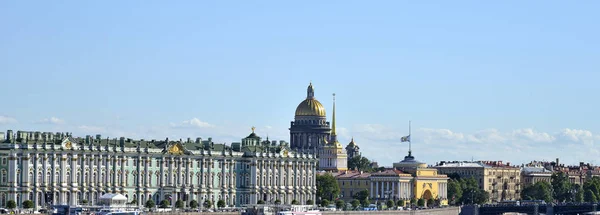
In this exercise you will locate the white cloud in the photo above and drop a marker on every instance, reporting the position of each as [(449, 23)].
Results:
[(7, 120), (382, 143), (531, 135), (577, 136), (52, 120), (192, 123)]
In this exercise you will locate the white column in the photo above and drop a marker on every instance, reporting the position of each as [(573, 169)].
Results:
[(371, 193), (398, 189), (376, 189)]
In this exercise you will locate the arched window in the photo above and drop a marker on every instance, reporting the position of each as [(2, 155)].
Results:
[(3, 175), (68, 177), (18, 177), (31, 177)]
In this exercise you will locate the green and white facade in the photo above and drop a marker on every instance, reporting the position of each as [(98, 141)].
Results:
[(56, 168)]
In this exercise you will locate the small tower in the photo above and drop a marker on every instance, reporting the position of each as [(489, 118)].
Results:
[(352, 149)]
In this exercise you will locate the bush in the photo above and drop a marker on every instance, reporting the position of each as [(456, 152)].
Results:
[(277, 201), (207, 204), (389, 203), (413, 201), (84, 201), (339, 204), (165, 203), (260, 202), (365, 203), (221, 203), (400, 203), (355, 203), (310, 202), (421, 202), (179, 204), (133, 202), (27, 204), (295, 202), (150, 204), (11, 204), (193, 204), (324, 203)]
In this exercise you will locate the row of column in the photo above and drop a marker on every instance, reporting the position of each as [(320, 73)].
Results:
[(391, 189)]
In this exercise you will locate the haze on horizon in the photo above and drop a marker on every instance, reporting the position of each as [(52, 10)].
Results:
[(513, 81)]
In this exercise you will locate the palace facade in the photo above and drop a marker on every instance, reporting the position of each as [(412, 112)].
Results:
[(57, 168)]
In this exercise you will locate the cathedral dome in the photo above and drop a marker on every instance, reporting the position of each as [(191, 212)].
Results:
[(310, 106)]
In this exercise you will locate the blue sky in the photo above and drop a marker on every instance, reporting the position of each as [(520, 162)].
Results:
[(512, 80)]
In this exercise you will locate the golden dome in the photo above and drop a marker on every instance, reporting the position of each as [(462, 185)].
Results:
[(310, 107)]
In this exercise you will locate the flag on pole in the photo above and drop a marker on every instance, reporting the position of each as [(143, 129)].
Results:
[(405, 139)]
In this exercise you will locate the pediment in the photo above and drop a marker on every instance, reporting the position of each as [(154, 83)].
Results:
[(177, 149), (68, 143)]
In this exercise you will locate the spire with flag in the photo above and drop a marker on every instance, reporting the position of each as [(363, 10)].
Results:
[(407, 139)]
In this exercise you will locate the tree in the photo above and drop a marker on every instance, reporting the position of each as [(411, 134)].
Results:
[(589, 196), (179, 204), (11, 204), (165, 203), (360, 163), (413, 201), (84, 201), (541, 190), (277, 201), (310, 202), (389, 203), (150, 204), (27, 204), (324, 203), (339, 204), (430, 203), (327, 187), (361, 195), (454, 191), (579, 195), (355, 203), (593, 185), (193, 204), (454, 176), (133, 202), (294, 202), (471, 193), (365, 203), (400, 203), (260, 202), (208, 204), (221, 203), (421, 202), (561, 187)]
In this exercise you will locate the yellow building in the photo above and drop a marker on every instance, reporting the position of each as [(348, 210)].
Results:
[(332, 155), (502, 181), (426, 182), (352, 182)]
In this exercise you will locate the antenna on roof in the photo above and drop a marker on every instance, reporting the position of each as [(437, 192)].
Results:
[(472, 160)]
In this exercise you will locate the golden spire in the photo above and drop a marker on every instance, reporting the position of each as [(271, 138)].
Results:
[(253, 129), (333, 126)]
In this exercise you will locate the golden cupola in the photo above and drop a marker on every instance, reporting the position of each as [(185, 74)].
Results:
[(310, 106)]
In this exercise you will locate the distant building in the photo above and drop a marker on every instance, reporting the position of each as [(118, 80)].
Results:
[(352, 182), (426, 183), (501, 181), (533, 172)]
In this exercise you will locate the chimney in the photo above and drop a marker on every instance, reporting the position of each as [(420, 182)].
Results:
[(557, 163), (189, 140), (87, 139), (198, 140)]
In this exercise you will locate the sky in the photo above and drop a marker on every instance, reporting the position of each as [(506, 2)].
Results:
[(515, 81)]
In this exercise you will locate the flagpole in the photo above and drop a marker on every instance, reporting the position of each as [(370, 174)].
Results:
[(409, 140)]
